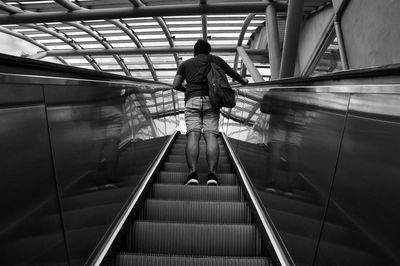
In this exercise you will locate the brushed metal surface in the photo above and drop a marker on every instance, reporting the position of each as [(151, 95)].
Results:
[(30, 225), (365, 196), (290, 156), (324, 160), (87, 125), (78, 126)]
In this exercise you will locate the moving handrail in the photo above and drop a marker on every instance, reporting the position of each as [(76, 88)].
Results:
[(280, 250)]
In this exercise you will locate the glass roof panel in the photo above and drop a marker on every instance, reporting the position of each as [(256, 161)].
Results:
[(223, 31)]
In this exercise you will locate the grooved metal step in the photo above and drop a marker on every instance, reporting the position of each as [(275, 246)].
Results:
[(183, 140), (127, 259), (195, 225), (195, 239), (180, 177), (181, 151), (182, 159), (202, 145), (202, 167), (196, 192), (197, 211)]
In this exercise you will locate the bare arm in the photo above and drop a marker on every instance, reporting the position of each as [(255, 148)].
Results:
[(233, 74), (177, 85)]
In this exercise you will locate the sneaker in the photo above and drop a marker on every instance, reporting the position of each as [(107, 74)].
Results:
[(192, 179), (212, 179)]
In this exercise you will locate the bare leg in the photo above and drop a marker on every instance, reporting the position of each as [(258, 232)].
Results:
[(192, 150), (212, 151)]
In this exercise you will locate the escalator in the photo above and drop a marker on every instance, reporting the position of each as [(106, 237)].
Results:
[(192, 225)]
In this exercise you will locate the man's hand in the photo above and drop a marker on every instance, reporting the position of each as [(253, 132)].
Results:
[(245, 81)]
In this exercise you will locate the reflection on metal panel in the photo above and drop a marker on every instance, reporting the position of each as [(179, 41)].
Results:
[(365, 195), (103, 137), (30, 227), (312, 141), (87, 125), (296, 129)]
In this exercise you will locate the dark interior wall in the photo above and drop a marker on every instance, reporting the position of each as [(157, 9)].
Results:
[(327, 172), (364, 193), (64, 175), (371, 33), (31, 225)]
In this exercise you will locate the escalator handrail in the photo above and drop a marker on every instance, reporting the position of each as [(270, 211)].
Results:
[(146, 180), (277, 244)]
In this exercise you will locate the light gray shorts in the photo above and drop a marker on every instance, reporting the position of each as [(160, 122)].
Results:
[(200, 116)]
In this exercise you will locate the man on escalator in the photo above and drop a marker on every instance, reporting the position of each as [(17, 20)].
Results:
[(200, 116)]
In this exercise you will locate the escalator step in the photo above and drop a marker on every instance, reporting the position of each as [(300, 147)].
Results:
[(182, 159), (181, 151), (184, 140), (126, 259), (195, 239), (202, 167), (197, 211), (196, 192), (180, 177), (202, 145)]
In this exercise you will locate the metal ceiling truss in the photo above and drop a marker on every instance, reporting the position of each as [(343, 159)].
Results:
[(103, 42), (245, 25), (72, 7), (129, 32), (30, 40), (95, 34), (164, 27), (255, 74), (15, 10), (204, 22), (135, 12), (70, 42), (137, 51)]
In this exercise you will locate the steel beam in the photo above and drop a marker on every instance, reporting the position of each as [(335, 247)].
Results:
[(153, 50), (291, 41), (246, 23), (30, 40), (137, 42), (134, 12), (71, 7), (254, 73), (68, 4), (74, 7), (204, 22), (274, 48), (163, 26), (103, 43), (16, 10), (339, 34), (204, 27), (9, 9)]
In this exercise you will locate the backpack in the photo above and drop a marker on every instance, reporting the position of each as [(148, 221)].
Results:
[(220, 92)]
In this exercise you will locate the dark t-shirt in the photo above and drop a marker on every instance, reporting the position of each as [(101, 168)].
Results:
[(195, 70)]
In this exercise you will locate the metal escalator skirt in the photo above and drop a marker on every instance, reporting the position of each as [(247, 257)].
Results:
[(134, 199), (280, 250)]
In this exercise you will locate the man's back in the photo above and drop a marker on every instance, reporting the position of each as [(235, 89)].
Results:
[(194, 71)]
